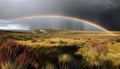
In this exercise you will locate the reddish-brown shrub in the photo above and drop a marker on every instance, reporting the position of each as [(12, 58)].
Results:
[(76, 38), (102, 49), (104, 42), (52, 42), (74, 44), (34, 41), (113, 43), (12, 51), (93, 43), (89, 39)]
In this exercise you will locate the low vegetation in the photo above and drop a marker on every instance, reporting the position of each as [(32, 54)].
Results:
[(17, 53), (59, 50), (11, 65)]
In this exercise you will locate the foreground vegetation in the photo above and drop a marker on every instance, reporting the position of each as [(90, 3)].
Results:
[(59, 49)]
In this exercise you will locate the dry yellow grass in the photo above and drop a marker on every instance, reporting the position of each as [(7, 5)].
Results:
[(94, 48)]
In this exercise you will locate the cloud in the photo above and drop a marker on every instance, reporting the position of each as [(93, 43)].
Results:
[(111, 17), (19, 8), (93, 10), (13, 27)]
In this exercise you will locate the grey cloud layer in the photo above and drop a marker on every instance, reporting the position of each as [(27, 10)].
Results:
[(20, 8), (104, 12)]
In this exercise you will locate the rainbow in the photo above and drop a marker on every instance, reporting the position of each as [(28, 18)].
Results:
[(66, 17)]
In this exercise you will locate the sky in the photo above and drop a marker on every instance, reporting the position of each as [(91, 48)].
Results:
[(103, 12)]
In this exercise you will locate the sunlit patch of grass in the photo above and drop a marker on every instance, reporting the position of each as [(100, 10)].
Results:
[(65, 61), (52, 42), (65, 58), (49, 65), (101, 54)]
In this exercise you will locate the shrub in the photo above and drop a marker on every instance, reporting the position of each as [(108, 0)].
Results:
[(62, 42), (102, 49), (112, 43), (118, 40), (104, 42), (89, 39), (14, 52), (34, 41), (52, 42)]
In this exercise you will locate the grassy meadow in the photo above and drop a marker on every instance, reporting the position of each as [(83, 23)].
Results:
[(59, 49)]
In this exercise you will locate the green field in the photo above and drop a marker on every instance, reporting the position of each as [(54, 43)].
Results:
[(59, 49)]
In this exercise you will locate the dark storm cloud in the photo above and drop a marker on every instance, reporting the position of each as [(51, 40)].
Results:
[(88, 9), (93, 10), (111, 17), (20, 8)]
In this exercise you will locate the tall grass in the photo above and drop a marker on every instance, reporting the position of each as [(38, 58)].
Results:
[(21, 54), (11, 65)]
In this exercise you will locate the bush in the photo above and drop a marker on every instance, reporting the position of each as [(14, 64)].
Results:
[(102, 49), (34, 41), (52, 42), (118, 40), (14, 52), (62, 42)]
